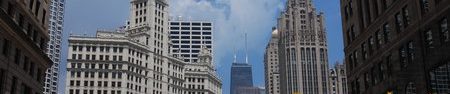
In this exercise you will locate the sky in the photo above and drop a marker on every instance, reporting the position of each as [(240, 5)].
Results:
[(232, 20)]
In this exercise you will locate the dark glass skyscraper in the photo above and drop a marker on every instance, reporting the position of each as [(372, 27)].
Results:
[(241, 76)]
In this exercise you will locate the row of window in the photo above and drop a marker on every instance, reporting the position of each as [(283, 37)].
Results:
[(114, 75), (190, 28), (193, 32), (94, 66), (94, 57), (94, 48), (77, 91), (189, 24), (189, 37)]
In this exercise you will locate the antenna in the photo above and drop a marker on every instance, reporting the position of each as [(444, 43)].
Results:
[(235, 55), (246, 50)]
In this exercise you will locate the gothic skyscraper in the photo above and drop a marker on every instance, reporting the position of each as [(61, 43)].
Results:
[(302, 49)]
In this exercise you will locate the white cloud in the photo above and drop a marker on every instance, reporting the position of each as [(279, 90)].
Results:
[(231, 19)]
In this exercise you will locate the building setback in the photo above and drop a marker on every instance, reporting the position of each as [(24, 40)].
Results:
[(397, 46), (23, 43), (187, 37), (302, 50), (55, 27), (241, 77), (338, 79), (271, 65)]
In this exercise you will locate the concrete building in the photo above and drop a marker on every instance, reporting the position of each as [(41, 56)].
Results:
[(271, 69), (201, 76), (23, 43), (133, 61), (303, 58), (241, 77), (338, 79), (55, 27), (188, 36), (397, 46), (113, 63)]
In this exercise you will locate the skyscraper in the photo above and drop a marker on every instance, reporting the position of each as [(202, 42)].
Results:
[(23, 43), (302, 49), (338, 79), (271, 69), (397, 46), (241, 77), (134, 60), (188, 36), (55, 29)]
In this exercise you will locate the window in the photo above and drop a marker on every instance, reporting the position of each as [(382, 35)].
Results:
[(429, 38), (379, 37), (37, 8), (424, 4), (14, 85), (387, 32), (444, 30), (406, 18), (364, 51), (2, 78), (6, 46), (17, 56), (399, 22)]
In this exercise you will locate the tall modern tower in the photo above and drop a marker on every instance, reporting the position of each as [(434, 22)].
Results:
[(23, 44), (55, 29), (397, 46), (302, 49), (241, 77), (188, 36), (271, 65)]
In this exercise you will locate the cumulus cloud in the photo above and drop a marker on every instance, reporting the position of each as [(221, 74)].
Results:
[(232, 19)]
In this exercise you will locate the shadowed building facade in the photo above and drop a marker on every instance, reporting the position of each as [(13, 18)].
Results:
[(397, 46), (23, 43)]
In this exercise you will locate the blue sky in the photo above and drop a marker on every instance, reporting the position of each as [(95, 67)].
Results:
[(232, 19)]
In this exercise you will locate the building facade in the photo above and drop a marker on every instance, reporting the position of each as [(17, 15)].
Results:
[(113, 63), (187, 37), (241, 77), (303, 58), (55, 29), (397, 46), (24, 37), (201, 76), (338, 79), (271, 69), (133, 61)]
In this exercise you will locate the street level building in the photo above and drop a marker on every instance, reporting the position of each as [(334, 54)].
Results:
[(338, 79), (397, 46), (55, 29), (201, 76), (303, 58), (187, 37), (23, 44), (271, 65), (134, 60)]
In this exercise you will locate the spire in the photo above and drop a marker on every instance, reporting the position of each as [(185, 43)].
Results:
[(246, 50), (234, 55)]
